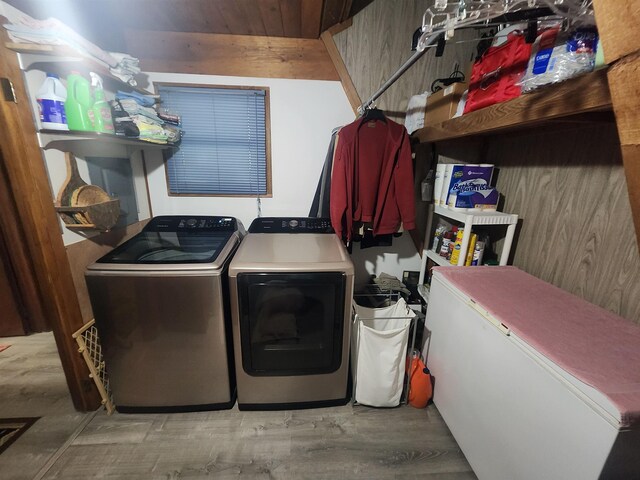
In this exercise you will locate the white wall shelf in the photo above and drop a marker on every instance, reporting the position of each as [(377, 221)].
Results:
[(62, 60), (469, 219), (441, 261), (87, 142)]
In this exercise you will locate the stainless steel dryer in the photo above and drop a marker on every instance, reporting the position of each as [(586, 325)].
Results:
[(291, 285), (160, 301)]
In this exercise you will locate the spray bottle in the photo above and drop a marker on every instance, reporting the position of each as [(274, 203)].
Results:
[(101, 111)]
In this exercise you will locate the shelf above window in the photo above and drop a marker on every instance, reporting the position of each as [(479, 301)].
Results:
[(581, 99)]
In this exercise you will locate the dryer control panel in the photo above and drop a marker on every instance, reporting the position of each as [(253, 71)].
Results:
[(182, 223), (291, 225)]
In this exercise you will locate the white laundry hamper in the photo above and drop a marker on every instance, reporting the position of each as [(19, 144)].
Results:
[(379, 349)]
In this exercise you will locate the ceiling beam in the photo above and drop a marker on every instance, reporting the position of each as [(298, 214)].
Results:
[(231, 55)]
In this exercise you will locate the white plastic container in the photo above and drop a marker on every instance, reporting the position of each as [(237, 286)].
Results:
[(51, 97)]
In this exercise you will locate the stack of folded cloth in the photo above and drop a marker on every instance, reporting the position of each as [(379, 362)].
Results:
[(151, 126), (25, 29), (126, 69)]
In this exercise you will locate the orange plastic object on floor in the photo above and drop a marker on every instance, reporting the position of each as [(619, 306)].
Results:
[(421, 389)]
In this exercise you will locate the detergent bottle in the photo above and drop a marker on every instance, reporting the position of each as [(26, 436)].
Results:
[(78, 103), (51, 98), (101, 111)]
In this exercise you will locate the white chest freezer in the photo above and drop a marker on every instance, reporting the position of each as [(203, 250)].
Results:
[(534, 383)]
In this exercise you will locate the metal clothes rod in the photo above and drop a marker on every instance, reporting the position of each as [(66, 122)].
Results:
[(403, 68)]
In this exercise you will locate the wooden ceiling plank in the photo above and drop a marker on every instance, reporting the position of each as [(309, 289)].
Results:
[(252, 17), (235, 17), (331, 13), (231, 55), (291, 18), (346, 10), (311, 18), (271, 17), (357, 6), (213, 18)]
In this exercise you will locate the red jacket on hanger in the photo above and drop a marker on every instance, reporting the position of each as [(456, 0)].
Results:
[(372, 179)]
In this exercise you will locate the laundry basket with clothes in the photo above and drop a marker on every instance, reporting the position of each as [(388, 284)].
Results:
[(378, 351)]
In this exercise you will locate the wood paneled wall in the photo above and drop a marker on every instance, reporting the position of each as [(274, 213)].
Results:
[(379, 41), (569, 190), (567, 186)]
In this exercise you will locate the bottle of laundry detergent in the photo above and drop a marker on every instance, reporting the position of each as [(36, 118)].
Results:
[(100, 112), (79, 102), (51, 98)]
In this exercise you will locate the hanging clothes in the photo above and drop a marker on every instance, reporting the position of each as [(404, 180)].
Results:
[(320, 204), (372, 178)]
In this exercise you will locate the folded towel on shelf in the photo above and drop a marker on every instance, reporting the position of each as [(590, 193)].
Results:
[(139, 98), (149, 131), (25, 29), (133, 108), (414, 119), (127, 67)]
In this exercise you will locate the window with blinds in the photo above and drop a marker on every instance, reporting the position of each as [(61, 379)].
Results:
[(224, 143)]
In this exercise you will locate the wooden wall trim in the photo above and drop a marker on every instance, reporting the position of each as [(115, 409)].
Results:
[(231, 55), (345, 78), (618, 21), (624, 84), (19, 258), (30, 188), (631, 162)]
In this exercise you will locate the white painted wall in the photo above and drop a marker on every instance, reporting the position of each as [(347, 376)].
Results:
[(391, 260), (303, 113)]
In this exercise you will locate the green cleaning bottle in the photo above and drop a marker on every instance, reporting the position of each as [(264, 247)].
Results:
[(78, 103), (101, 111)]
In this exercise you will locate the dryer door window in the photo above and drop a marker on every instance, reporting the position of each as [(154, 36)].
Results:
[(291, 323)]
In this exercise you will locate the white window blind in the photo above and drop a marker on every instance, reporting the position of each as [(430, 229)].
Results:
[(223, 149)]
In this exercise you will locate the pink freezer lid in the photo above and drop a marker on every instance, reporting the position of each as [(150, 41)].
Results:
[(596, 346)]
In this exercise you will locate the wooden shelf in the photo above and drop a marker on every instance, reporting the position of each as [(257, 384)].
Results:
[(68, 141), (61, 59), (99, 216), (568, 100)]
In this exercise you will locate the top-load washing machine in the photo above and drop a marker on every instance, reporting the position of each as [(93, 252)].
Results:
[(291, 284), (160, 301)]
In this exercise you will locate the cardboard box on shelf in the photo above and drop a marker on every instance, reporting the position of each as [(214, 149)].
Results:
[(442, 105)]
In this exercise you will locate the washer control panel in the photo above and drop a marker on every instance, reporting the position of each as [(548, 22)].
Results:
[(291, 225), (196, 223)]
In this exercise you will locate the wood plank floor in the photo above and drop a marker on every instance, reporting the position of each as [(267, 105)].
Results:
[(353, 442)]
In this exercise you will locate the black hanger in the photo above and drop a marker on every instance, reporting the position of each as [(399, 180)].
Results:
[(374, 114)]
